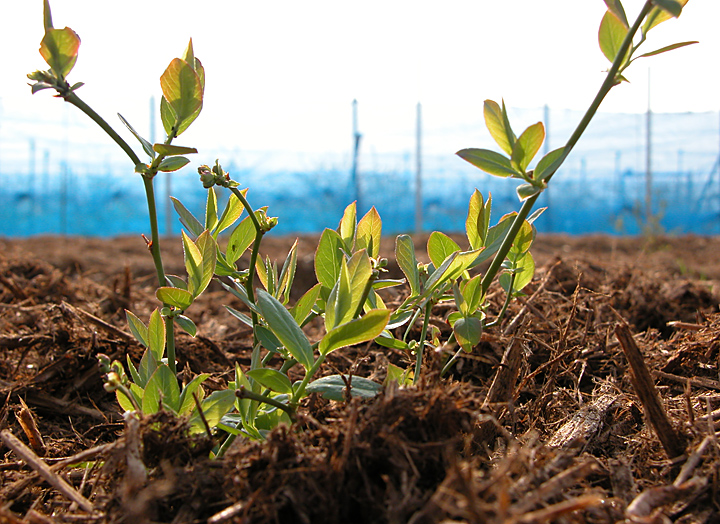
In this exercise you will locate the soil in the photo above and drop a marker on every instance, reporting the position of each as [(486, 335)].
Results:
[(596, 399)]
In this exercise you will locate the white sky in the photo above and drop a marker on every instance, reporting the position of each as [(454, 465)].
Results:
[(282, 74)]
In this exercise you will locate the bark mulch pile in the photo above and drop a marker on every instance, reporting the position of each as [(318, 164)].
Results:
[(596, 400)]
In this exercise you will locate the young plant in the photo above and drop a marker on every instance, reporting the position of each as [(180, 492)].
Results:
[(509, 241)]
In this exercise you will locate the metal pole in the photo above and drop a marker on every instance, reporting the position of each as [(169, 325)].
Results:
[(356, 149), (418, 172), (648, 161)]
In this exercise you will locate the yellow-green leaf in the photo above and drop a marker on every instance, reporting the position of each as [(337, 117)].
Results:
[(527, 146), (499, 126), (611, 35), (59, 48)]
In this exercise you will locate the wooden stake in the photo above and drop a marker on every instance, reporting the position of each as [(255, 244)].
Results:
[(672, 441)]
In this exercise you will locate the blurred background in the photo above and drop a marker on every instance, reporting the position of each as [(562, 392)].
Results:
[(314, 106)]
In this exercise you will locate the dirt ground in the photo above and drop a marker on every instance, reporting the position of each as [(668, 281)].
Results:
[(596, 400)]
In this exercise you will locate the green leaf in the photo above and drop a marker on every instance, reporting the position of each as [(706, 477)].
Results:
[(303, 307), (388, 341), (333, 387), (173, 163), (193, 263), (497, 123), (171, 150), (549, 164), (471, 291), (47, 15), (268, 339), (668, 48), (360, 272), (359, 330), (59, 48), (176, 281), (242, 317), (402, 377), (672, 7), (287, 274), (369, 232), (183, 91), (162, 386), (527, 146), (240, 239), (211, 216), (208, 250), (339, 304), (167, 115), (328, 255), (661, 13), (524, 268), (286, 329), (348, 225), (616, 8), (478, 220), (187, 218), (137, 328), (272, 379), (611, 35), (147, 146), (525, 191), (148, 365), (232, 212), (175, 297), (468, 331), (136, 378), (186, 325), (489, 161), (156, 335), (439, 247), (214, 407), (495, 237), (186, 402), (405, 257)]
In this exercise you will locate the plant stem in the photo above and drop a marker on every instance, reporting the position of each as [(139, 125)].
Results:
[(245, 393), (421, 345), (170, 343), (82, 106), (300, 391), (253, 256), (154, 233), (607, 85)]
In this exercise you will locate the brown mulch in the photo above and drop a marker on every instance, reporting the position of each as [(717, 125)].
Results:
[(543, 422)]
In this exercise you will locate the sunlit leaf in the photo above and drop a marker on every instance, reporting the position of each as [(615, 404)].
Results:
[(171, 150), (548, 164), (439, 247), (156, 335), (405, 257), (527, 146), (175, 297), (303, 307), (187, 218), (211, 210), (240, 239), (183, 91), (162, 387), (328, 255), (616, 8), (369, 231), (478, 220), (356, 331), (187, 403), (59, 48), (611, 35), (233, 210), (147, 146), (489, 161), (668, 48), (662, 13), (525, 191), (497, 123), (137, 328), (348, 224)]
